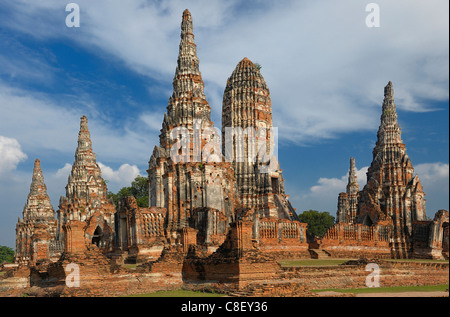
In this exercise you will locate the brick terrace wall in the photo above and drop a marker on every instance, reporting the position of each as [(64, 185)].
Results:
[(357, 240), (283, 238), (354, 276)]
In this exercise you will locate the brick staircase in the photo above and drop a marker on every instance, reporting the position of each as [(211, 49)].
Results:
[(319, 254)]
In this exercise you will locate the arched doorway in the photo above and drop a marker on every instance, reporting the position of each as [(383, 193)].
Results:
[(96, 237)]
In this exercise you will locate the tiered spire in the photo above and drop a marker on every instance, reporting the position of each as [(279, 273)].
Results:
[(389, 131), (38, 204), (85, 180), (188, 101), (392, 190)]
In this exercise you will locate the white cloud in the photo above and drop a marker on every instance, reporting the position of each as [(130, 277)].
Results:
[(64, 172), (119, 178), (10, 154), (324, 195), (434, 178), (36, 122), (116, 179), (153, 120), (432, 172), (326, 70)]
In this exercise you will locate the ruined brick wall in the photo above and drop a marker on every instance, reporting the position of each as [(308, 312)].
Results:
[(282, 238), (237, 261), (140, 231), (430, 238), (354, 276), (357, 240)]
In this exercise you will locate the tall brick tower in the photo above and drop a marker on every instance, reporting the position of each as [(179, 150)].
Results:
[(187, 175), (188, 105), (246, 130), (392, 190), (86, 197), (37, 230)]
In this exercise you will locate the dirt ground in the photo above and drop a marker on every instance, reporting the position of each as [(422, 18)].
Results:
[(400, 294)]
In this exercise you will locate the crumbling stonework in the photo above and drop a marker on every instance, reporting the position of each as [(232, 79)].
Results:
[(393, 196), (217, 218), (237, 261), (392, 190), (248, 142), (347, 240), (36, 232), (430, 237), (86, 198), (185, 172), (140, 231)]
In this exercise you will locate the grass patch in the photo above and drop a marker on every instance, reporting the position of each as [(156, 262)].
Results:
[(395, 289), (178, 293), (130, 266), (312, 262)]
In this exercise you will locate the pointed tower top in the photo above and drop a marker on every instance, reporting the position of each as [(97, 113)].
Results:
[(388, 102), (244, 61), (84, 139), (85, 179), (389, 130), (38, 203), (37, 182), (188, 101), (186, 13), (84, 124), (388, 90), (247, 74)]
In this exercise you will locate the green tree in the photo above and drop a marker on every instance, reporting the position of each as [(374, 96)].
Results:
[(138, 189), (6, 254), (318, 222)]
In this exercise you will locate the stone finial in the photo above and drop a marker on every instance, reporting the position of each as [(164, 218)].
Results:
[(388, 102), (37, 182), (84, 124), (389, 90), (186, 24), (84, 137), (186, 14), (245, 61)]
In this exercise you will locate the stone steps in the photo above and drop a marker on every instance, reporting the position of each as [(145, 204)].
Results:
[(319, 254)]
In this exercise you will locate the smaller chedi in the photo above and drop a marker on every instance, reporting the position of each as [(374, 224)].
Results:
[(393, 196), (36, 232), (86, 205), (348, 201)]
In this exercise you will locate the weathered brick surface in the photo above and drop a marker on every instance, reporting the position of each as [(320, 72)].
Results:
[(354, 276), (36, 231), (393, 196)]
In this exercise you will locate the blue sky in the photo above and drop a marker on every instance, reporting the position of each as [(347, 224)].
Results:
[(325, 69)]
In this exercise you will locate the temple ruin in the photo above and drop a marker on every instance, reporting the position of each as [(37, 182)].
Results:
[(218, 210), (391, 206)]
